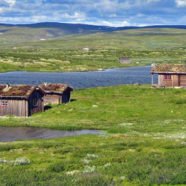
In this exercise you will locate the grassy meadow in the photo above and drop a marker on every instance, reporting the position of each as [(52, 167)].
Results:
[(141, 46), (144, 142), (144, 129)]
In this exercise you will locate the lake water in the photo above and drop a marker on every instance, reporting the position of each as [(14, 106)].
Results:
[(108, 77), (8, 134)]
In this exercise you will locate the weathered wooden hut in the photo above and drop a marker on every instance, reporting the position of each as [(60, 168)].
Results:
[(170, 75), (124, 60), (56, 93), (20, 100)]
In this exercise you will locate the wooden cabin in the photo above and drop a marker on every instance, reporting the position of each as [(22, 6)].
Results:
[(56, 93), (20, 100), (124, 60), (169, 75)]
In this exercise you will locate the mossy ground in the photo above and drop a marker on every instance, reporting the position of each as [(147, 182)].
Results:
[(144, 143)]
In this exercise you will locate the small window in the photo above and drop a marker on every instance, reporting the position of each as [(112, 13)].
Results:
[(167, 77), (3, 103)]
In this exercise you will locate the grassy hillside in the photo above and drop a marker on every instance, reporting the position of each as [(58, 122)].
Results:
[(141, 46), (145, 143)]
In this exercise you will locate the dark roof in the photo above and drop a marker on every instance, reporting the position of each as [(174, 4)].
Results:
[(16, 91), (169, 68), (55, 88)]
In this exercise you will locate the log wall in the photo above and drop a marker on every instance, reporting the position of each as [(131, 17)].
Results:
[(13, 107), (176, 80), (22, 107), (52, 99), (182, 80), (57, 99)]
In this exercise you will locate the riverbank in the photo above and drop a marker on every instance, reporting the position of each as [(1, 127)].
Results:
[(145, 143)]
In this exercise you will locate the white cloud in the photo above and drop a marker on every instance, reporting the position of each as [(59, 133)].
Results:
[(1, 10), (152, 1), (109, 5), (109, 23), (10, 2), (116, 23), (97, 12), (55, 17), (9, 5), (181, 3), (76, 15)]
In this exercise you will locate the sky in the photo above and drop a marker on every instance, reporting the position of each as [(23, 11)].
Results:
[(96, 12)]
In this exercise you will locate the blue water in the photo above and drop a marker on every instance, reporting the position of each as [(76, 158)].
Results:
[(108, 77)]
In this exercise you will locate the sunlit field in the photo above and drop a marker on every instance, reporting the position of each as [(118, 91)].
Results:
[(143, 140), (141, 46)]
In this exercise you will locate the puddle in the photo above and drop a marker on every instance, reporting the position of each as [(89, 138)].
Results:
[(8, 134)]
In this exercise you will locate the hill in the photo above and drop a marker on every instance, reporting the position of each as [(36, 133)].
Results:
[(82, 52), (17, 33)]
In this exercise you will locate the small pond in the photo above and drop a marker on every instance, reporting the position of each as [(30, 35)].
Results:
[(8, 134)]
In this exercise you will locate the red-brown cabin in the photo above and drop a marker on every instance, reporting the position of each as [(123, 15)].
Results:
[(170, 75), (56, 93), (20, 100)]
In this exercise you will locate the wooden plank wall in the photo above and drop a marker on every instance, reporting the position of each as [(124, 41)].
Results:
[(22, 108), (13, 107), (173, 82), (182, 80), (52, 99)]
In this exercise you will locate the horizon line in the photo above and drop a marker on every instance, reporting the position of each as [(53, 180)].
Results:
[(91, 24)]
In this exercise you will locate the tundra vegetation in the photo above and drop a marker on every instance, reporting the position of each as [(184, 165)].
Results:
[(67, 53), (144, 141)]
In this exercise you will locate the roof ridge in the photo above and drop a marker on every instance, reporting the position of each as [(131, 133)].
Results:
[(172, 68), (17, 90)]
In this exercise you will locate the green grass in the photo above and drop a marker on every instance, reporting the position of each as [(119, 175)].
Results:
[(141, 46), (145, 143)]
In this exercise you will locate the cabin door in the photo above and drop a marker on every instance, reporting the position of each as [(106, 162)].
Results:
[(66, 97), (182, 80)]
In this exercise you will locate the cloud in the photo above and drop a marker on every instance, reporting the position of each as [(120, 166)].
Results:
[(1, 10), (10, 2), (6, 5), (109, 23), (76, 15), (35, 17), (181, 3), (152, 1), (106, 12)]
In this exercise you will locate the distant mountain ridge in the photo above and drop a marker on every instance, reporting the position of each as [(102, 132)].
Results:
[(87, 26), (18, 33)]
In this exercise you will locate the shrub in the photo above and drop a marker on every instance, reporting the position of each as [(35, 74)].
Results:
[(22, 161)]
